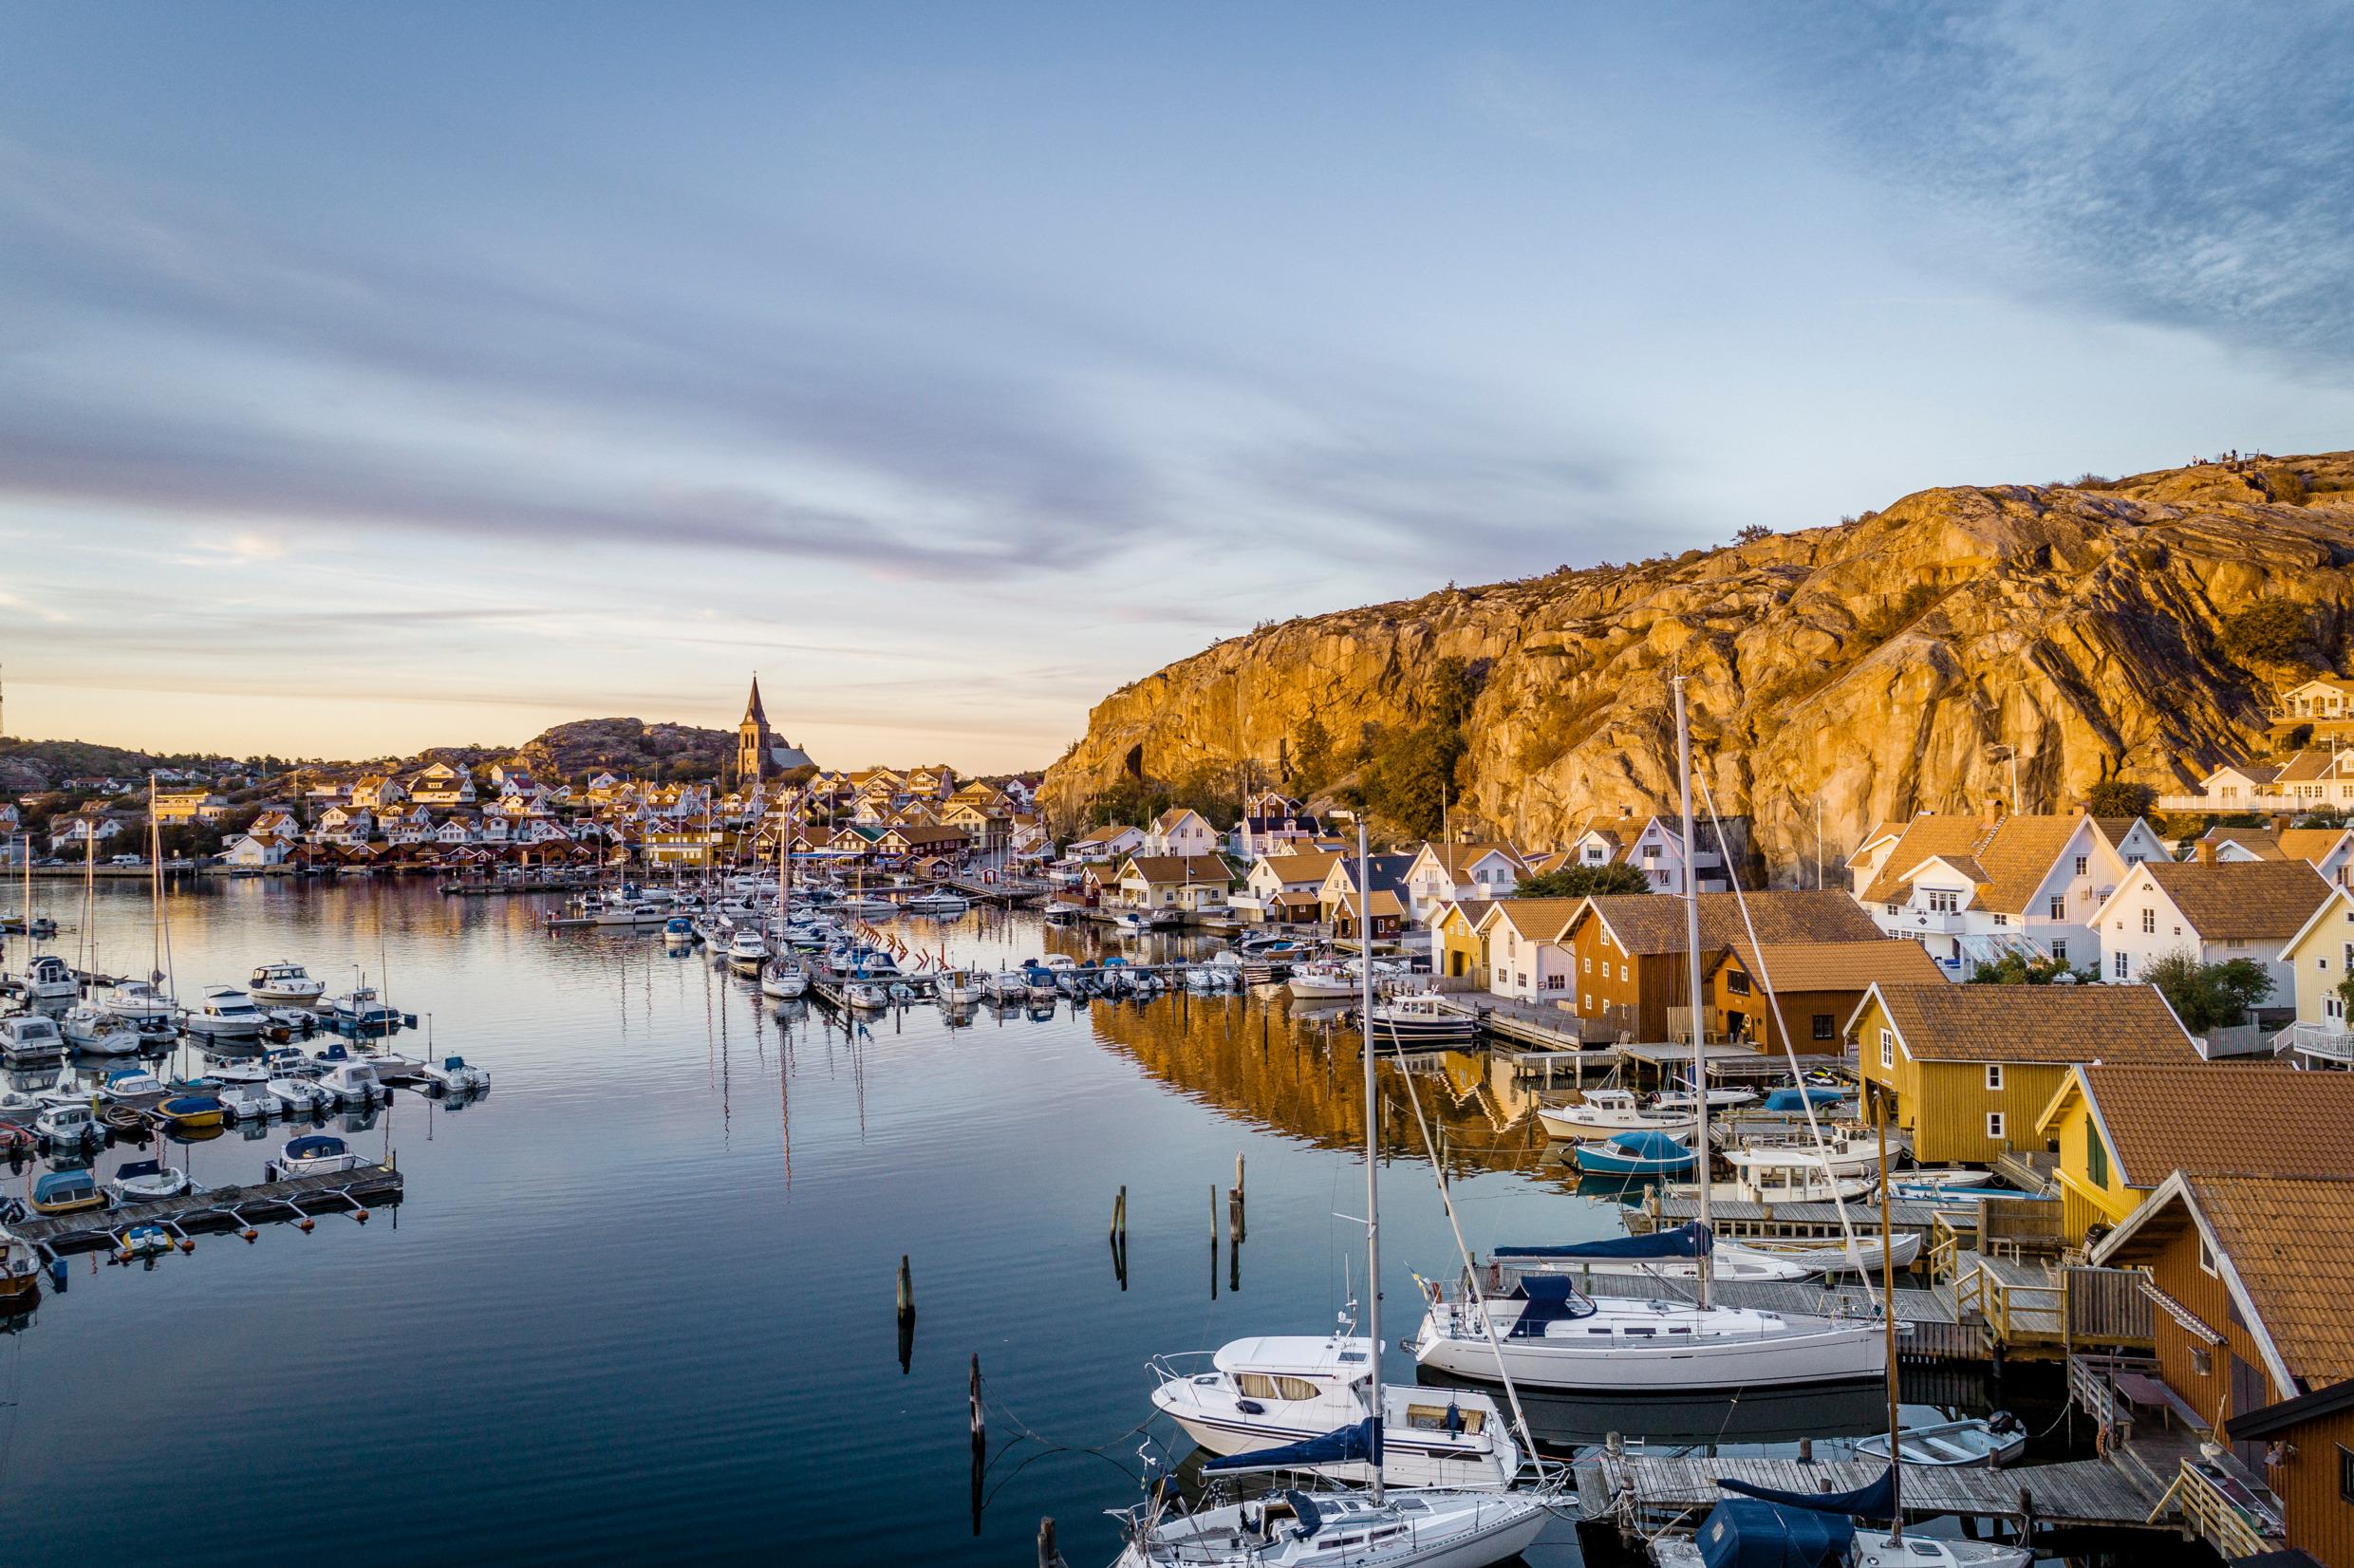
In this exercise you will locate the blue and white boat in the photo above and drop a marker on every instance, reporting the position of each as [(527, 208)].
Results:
[(1635, 1154), (312, 1154), (1797, 1097)]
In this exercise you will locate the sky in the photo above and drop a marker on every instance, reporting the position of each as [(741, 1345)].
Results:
[(381, 377)]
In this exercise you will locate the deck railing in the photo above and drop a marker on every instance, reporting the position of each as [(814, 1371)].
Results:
[(2315, 1040), (2237, 1527)]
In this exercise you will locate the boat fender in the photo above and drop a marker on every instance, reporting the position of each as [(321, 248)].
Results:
[(1250, 1407), (186, 1246), (361, 1216), (58, 1275), (252, 1235), (309, 1224), (2002, 1423)]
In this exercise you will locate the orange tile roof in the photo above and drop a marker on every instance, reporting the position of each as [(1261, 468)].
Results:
[(1652, 922), (1931, 833), (1538, 918), (2241, 899), (1841, 966), (1458, 858), (1179, 868), (1949, 1022), (2221, 1118), (2010, 857), (2285, 1238)]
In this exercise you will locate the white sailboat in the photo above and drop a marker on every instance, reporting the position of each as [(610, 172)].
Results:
[(1550, 1334), (1416, 1527), (782, 976)]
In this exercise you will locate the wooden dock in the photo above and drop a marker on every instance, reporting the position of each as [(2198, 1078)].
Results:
[(221, 1208), (1643, 1494), (1812, 1222)]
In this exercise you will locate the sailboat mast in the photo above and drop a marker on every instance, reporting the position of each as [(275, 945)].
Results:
[(1692, 965), (1888, 1316), (1373, 1126), (155, 885)]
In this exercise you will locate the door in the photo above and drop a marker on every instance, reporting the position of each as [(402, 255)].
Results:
[(2251, 1390)]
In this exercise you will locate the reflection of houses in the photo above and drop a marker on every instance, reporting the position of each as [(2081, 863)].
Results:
[(2255, 1349), (1629, 950), (2122, 1128), (1973, 889), (1971, 1069)]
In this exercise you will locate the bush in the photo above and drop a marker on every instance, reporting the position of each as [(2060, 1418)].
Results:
[(2208, 995), (1752, 533), (1888, 620), (2017, 969), (2272, 632), (1581, 880), (2120, 797)]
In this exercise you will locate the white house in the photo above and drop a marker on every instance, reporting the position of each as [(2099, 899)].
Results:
[(2213, 910), (344, 825), (1446, 873), (2326, 850), (1179, 830), (1285, 886), (1526, 957), (2300, 782), (256, 849), (1116, 842), (2324, 697), (1174, 882), (1970, 889), (376, 790), (440, 784), (77, 830)]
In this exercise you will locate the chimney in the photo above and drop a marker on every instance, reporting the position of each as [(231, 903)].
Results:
[(2206, 852), (2281, 821)]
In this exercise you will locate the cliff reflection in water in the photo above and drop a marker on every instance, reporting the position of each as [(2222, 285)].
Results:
[(1300, 1071)]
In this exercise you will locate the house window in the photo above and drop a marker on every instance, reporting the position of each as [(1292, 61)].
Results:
[(2060, 909), (2118, 967), (2206, 1257), (1944, 901), (2346, 1473), (1888, 1048), (1994, 1077), (1622, 974), (1891, 908), (1824, 1026), (2234, 942), (2002, 919), (2060, 952), (1589, 963), (2083, 864), (1738, 983), (2149, 921), (2096, 1158), (1586, 1005), (1556, 983), (1994, 1126)]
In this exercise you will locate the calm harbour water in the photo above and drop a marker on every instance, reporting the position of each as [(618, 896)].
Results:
[(639, 1301)]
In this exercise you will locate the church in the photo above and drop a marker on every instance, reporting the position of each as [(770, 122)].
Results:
[(760, 753)]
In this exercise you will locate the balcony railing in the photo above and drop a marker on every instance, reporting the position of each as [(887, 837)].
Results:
[(2339, 793), (2318, 1041)]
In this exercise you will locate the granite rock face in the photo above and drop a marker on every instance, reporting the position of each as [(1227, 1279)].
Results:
[(1904, 662)]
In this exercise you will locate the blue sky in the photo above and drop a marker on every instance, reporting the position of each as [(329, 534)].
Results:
[(377, 377)]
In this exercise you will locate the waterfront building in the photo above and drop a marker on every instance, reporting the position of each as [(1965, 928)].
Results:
[(2214, 910), (1817, 987), (1630, 950)]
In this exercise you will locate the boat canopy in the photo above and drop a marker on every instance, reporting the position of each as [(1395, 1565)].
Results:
[(1362, 1443), (1685, 1241), (138, 1169), (1552, 1298), (1798, 1099), (313, 1146), (64, 1183), (1876, 1500), (1650, 1144), (1741, 1533)]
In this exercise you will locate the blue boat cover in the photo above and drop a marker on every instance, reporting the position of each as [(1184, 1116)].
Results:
[(62, 1182), (1552, 1298), (140, 1167), (1685, 1241), (1876, 1501), (1743, 1533), (1304, 1509), (1361, 1441), (315, 1144), (1798, 1099)]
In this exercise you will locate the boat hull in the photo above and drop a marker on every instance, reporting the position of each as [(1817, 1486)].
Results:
[(1840, 1352)]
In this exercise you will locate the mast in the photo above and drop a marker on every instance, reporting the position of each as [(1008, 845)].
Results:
[(1372, 1126), (1888, 1315), (155, 887), (1691, 964), (85, 942)]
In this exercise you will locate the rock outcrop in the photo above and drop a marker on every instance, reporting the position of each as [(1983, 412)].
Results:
[(1903, 662)]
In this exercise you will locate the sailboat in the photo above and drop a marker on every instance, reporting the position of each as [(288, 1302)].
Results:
[(1411, 1527), (782, 977), (1551, 1335)]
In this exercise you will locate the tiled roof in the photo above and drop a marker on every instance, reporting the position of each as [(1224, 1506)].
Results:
[(2310, 845), (2114, 829), (1652, 922), (2222, 1119), (2285, 1238), (1843, 965), (1474, 909), (2260, 843), (1302, 868), (1539, 918), (1458, 858), (2013, 854), (2241, 899), (1160, 868), (1929, 835), (1950, 1022)]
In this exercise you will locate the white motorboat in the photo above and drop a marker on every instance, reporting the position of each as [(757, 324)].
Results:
[(630, 912), (866, 995), (1786, 1173), (939, 900), (1863, 1256), (1980, 1443), (250, 1102), (1729, 1260), (20, 1267), (1882, 1549), (140, 1001), (132, 1083), (314, 1154), (285, 983), (1297, 1529), (747, 950), (1844, 1152), (359, 1012), (225, 1014), (1601, 1115), (1287, 1389), (1719, 1099), (68, 1125), (100, 1033), (31, 1038), (784, 979), (1008, 985), (957, 988), (1320, 982), (50, 979), (351, 1083), (452, 1075), (1421, 1021), (148, 1182), (863, 903), (300, 1095)]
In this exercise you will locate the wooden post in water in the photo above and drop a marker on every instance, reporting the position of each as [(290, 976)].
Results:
[(1048, 1557), (1119, 1218), (1237, 1204), (906, 1317), (981, 1422)]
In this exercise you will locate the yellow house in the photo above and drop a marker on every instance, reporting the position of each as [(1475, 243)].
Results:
[(1457, 949), (2319, 959), (1968, 1070), (2122, 1128)]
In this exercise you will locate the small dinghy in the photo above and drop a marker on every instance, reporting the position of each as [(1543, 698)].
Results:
[(1832, 1258), (452, 1077), (132, 1083), (1972, 1445), (312, 1154), (1635, 1154), (148, 1182), (189, 1112), (145, 1242), (66, 1192)]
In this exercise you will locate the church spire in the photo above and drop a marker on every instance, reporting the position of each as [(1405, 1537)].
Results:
[(751, 709)]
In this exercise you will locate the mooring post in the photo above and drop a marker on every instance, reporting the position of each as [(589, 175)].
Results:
[(1119, 1218), (1048, 1557), (1238, 1220), (1805, 1451), (906, 1289), (980, 1423)]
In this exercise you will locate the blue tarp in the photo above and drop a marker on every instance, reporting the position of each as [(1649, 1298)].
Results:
[(1798, 1099), (316, 1144), (1551, 1298), (1743, 1533), (1878, 1500), (1361, 1441), (1686, 1241)]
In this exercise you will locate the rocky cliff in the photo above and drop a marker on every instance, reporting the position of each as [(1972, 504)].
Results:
[(1900, 662)]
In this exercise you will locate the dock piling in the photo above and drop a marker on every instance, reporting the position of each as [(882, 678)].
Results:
[(981, 1422), (1048, 1557)]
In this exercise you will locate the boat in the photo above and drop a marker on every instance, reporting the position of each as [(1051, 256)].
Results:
[(1320, 982), (360, 1012), (188, 1111), (1841, 1150), (1603, 1113), (1288, 1388), (1548, 1334), (1730, 1262), (1008, 987), (351, 1083), (1422, 1527), (452, 1077), (1037, 982), (225, 1014), (148, 1182), (1954, 1193), (314, 1154), (247, 1102), (1830, 1257), (865, 995), (1719, 1099), (65, 1125), (49, 979), (746, 952), (1782, 1175), (783, 979), (66, 1192), (1797, 1097), (131, 1083), (30, 1038), (20, 1269), (92, 1029), (678, 931), (1978, 1443), (631, 913), (1635, 1154), (137, 1001), (301, 1096), (1421, 1020), (940, 901), (955, 988), (285, 983)]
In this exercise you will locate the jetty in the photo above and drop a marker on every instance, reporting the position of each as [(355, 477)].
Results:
[(240, 1208)]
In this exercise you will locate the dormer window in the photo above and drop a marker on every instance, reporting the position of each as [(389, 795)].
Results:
[(1944, 901)]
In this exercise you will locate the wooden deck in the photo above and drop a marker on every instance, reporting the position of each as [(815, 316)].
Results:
[(222, 1208), (1644, 1493), (1785, 1222)]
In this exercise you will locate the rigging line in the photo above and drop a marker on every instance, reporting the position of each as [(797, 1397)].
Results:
[(1470, 1274), (1807, 1101)]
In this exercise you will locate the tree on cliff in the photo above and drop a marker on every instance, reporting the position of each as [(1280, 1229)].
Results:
[(1312, 754), (1413, 773), (1583, 881)]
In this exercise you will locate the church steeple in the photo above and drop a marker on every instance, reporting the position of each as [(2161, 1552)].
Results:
[(751, 709), (753, 741)]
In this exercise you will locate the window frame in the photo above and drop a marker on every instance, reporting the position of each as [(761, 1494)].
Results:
[(1997, 1127)]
